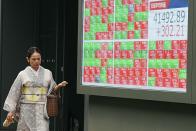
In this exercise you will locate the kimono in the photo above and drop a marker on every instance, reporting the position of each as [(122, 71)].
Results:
[(29, 92)]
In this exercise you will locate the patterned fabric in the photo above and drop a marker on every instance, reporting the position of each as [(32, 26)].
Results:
[(29, 93), (32, 118)]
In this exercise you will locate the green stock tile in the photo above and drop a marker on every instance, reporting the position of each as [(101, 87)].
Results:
[(91, 36), (86, 54), (126, 10), (90, 54), (110, 62), (130, 26), (97, 46), (137, 34), (124, 18), (182, 74), (117, 11), (98, 19), (91, 46), (129, 63), (97, 62), (91, 62), (110, 18), (86, 46), (118, 2), (87, 12), (121, 18), (93, 54), (174, 63), (138, 16), (116, 62), (117, 19), (125, 63), (167, 45), (95, 19), (117, 35), (152, 45), (104, 3), (130, 45), (159, 63), (124, 35), (152, 63), (103, 70), (151, 81), (103, 28), (151, 78), (87, 36), (122, 10), (121, 62), (110, 46), (86, 62), (144, 16), (94, 28), (137, 54), (118, 8), (137, 1), (169, 63), (103, 78), (123, 46), (143, 54), (166, 64)]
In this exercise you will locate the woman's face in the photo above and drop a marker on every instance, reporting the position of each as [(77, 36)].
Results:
[(35, 60)]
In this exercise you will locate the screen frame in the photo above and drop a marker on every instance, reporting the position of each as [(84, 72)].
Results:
[(155, 95), (193, 53)]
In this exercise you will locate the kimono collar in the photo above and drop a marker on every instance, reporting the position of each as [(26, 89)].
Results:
[(34, 71)]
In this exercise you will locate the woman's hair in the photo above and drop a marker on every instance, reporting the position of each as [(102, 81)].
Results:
[(32, 50)]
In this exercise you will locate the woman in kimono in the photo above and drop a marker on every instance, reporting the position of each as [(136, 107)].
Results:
[(29, 91)]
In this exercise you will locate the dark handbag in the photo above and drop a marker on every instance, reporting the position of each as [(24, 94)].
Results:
[(52, 104)]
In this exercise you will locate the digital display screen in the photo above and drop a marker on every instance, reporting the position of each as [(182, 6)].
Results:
[(135, 44)]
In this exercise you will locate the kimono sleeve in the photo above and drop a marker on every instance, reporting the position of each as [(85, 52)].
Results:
[(13, 95), (52, 83)]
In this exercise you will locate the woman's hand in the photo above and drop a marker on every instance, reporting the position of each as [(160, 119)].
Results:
[(62, 84), (9, 119), (10, 116)]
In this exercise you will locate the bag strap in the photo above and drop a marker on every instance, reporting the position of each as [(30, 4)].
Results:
[(56, 93)]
